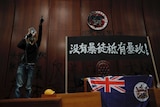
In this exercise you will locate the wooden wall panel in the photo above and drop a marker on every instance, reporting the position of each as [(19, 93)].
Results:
[(152, 24), (6, 29), (64, 21), (127, 18)]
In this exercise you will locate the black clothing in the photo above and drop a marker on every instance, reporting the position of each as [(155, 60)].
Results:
[(30, 51)]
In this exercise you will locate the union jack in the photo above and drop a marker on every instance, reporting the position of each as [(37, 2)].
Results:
[(108, 83)]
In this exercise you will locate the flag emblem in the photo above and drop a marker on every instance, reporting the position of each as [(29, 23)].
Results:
[(108, 83), (141, 91)]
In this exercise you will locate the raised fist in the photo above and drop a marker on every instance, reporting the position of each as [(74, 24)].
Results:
[(41, 20)]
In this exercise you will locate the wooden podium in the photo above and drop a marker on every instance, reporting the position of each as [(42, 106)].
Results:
[(154, 94), (31, 102), (81, 99)]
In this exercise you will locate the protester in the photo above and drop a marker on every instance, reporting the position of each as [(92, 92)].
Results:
[(30, 44)]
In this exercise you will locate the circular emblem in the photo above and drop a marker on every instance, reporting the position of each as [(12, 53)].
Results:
[(141, 91), (102, 67), (97, 20)]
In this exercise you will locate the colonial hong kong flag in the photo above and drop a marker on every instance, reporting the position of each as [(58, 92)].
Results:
[(122, 91)]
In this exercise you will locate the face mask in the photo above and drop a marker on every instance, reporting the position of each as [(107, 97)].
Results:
[(31, 39)]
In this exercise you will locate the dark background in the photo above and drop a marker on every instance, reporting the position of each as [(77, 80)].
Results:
[(69, 18)]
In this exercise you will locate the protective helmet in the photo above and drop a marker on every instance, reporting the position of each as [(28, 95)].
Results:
[(49, 92)]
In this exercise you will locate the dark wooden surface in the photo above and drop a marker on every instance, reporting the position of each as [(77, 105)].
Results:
[(80, 99), (69, 18), (154, 100), (32, 102)]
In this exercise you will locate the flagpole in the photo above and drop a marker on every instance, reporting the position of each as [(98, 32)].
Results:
[(153, 61), (66, 65)]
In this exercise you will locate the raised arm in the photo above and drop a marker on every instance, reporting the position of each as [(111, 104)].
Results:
[(40, 32)]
